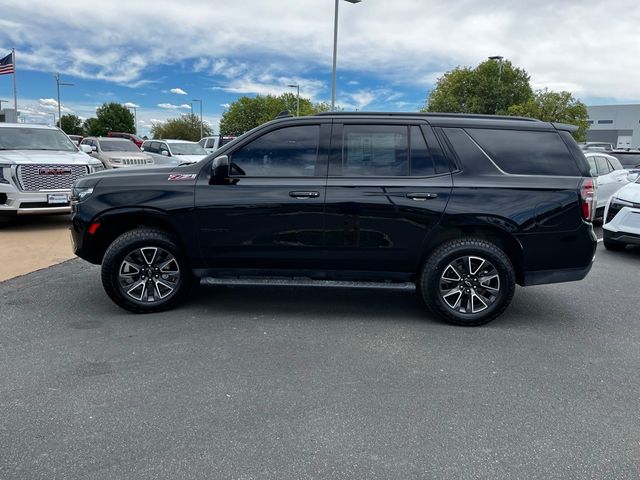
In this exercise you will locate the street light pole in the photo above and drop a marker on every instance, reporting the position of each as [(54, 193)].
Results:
[(297, 99), (58, 83), (135, 116), (201, 125), (335, 53)]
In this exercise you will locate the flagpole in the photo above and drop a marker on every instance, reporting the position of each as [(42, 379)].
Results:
[(15, 90)]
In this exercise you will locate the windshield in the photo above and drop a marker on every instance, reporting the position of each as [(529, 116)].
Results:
[(187, 149), (118, 146), (26, 138)]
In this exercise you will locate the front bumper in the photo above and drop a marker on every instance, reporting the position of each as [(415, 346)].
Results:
[(15, 202), (625, 223)]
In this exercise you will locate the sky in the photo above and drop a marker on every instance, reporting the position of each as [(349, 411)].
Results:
[(160, 55)]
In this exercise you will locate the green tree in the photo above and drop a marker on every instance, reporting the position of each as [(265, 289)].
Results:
[(559, 107), (490, 88), (92, 128), (186, 127), (249, 112), (71, 124), (113, 117)]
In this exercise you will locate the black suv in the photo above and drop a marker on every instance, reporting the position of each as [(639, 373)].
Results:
[(465, 207)]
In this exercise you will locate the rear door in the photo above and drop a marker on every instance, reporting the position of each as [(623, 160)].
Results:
[(387, 188), (269, 213)]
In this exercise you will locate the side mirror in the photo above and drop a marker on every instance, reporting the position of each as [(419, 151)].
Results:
[(164, 152), (220, 167), (86, 148), (94, 148)]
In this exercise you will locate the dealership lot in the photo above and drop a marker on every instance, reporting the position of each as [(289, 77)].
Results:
[(249, 382)]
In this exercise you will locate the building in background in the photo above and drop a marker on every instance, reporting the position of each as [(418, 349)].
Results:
[(615, 124), (8, 115)]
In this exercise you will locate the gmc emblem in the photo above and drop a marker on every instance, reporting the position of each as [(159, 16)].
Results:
[(55, 171)]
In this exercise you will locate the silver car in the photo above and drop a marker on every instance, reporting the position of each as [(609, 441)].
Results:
[(174, 152), (117, 152), (38, 165)]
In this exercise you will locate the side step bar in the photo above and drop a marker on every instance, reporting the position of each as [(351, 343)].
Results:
[(306, 282)]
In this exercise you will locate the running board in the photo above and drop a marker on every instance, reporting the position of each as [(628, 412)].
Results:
[(306, 282)]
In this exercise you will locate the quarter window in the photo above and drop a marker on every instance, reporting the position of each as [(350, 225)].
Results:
[(526, 152), (421, 161), (287, 152)]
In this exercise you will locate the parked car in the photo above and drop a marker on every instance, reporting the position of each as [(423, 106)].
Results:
[(606, 146), (76, 138), (211, 144), (610, 174), (38, 164), (117, 152), (464, 207), (181, 151), (622, 218), (129, 136), (630, 159)]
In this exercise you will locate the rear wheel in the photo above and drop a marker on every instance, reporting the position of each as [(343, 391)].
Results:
[(145, 271), (468, 282)]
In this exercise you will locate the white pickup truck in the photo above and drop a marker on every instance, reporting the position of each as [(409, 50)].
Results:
[(38, 165)]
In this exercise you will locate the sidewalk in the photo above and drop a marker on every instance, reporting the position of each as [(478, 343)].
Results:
[(33, 242)]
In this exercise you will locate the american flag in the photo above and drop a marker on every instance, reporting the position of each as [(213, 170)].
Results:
[(6, 65)]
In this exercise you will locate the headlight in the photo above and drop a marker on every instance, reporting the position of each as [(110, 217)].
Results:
[(116, 160), (79, 194), (98, 167), (2, 177)]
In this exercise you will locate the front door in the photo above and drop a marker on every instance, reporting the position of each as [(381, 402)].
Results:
[(269, 213), (386, 191)]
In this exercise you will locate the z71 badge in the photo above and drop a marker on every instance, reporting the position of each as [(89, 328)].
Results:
[(176, 177)]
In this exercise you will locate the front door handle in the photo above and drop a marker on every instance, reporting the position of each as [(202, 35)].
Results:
[(304, 195), (421, 197)]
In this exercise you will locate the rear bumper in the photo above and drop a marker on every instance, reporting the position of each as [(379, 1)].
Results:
[(541, 277)]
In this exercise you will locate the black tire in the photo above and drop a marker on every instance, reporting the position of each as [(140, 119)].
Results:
[(612, 244), (490, 293), (167, 274)]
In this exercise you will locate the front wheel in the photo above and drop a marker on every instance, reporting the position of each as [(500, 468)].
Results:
[(144, 271), (468, 282)]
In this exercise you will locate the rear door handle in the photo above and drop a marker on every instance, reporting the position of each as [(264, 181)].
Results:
[(421, 197), (304, 195)]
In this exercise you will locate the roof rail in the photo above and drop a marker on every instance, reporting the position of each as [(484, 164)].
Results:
[(427, 115)]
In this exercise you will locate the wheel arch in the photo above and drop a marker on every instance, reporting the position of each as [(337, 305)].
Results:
[(500, 236), (114, 223)]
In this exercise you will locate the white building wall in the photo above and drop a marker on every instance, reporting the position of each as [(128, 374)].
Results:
[(617, 124)]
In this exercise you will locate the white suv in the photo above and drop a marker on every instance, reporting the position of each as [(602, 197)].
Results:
[(38, 165)]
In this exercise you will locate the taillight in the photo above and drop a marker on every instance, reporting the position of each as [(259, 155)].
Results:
[(588, 199)]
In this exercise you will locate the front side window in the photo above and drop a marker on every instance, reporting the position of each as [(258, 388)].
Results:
[(375, 150), (287, 152)]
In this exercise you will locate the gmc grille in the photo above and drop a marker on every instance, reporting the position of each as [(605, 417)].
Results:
[(31, 179)]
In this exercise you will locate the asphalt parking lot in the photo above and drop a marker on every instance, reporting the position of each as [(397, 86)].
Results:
[(296, 383)]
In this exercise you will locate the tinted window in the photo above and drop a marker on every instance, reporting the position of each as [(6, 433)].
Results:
[(287, 152), (375, 150), (154, 147), (628, 159), (526, 152), (603, 166), (421, 162)]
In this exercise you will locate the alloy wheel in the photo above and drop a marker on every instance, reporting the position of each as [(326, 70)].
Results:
[(469, 284), (149, 274)]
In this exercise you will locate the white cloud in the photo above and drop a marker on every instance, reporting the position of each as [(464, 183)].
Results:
[(405, 43), (48, 103), (171, 106), (178, 91), (131, 105)]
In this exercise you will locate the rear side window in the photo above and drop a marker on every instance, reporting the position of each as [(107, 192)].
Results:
[(525, 152), (421, 161), (375, 150), (603, 166)]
